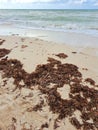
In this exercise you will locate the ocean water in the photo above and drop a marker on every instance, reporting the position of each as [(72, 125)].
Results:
[(81, 21)]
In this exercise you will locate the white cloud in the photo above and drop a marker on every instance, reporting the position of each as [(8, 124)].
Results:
[(96, 4), (52, 3), (76, 2), (31, 1), (3, 1), (27, 1), (47, 1), (80, 1)]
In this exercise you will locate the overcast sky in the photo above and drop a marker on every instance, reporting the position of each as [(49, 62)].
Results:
[(49, 4)]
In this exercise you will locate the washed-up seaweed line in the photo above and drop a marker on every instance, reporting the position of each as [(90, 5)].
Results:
[(54, 72)]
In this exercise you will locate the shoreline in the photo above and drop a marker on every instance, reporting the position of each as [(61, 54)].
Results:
[(69, 38)]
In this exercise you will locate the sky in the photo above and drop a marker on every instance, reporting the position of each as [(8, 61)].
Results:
[(48, 4)]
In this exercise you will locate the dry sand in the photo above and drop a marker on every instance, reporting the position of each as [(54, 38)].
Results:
[(31, 52)]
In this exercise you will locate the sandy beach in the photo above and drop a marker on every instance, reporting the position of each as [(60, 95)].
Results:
[(45, 85)]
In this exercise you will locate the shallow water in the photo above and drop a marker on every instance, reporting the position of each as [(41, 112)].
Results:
[(81, 21)]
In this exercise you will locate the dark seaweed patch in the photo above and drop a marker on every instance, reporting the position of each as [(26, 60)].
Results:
[(1, 41), (62, 74), (62, 55), (91, 81), (4, 52)]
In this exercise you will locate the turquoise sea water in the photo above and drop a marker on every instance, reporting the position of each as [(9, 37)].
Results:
[(83, 21)]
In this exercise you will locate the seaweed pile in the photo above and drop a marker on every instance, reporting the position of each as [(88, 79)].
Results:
[(91, 81), (62, 55), (1, 41), (82, 97), (4, 52), (44, 126)]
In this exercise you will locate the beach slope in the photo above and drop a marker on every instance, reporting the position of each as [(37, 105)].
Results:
[(47, 86)]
